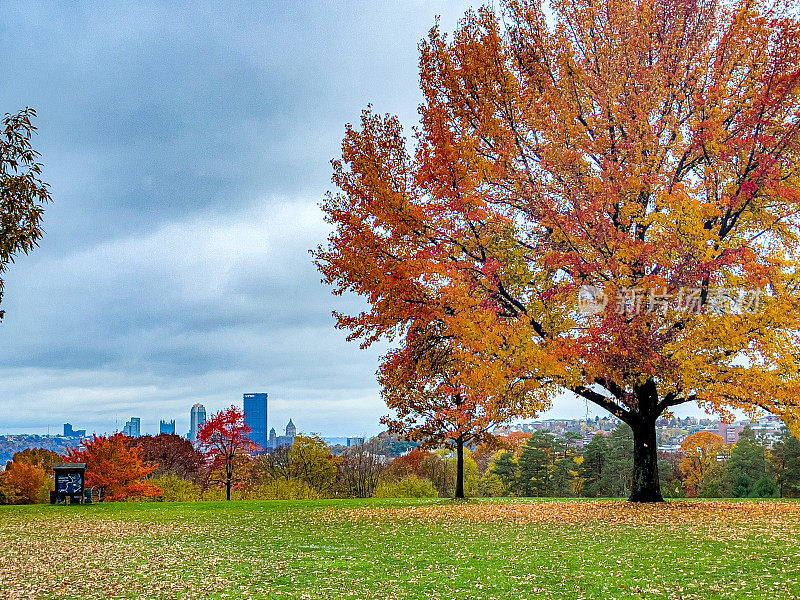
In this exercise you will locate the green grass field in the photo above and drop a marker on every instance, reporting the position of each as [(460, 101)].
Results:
[(402, 549)]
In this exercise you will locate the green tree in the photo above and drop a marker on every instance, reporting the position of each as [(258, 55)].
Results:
[(747, 474), (535, 467), (563, 478), (505, 467), (22, 193), (571, 441), (313, 464), (618, 474), (593, 469), (785, 464)]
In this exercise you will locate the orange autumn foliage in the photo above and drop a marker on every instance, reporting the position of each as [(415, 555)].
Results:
[(115, 469), (702, 451), (27, 481), (626, 147)]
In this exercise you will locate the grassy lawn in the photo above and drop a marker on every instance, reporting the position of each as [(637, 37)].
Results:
[(402, 549)]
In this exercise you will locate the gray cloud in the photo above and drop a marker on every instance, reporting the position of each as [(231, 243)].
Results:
[(187, 148)]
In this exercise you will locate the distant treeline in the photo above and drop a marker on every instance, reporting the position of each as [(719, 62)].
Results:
[(521, 464)]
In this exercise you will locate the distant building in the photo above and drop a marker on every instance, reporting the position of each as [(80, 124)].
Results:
[(133, 427), (167, 427), (73, 433), (255, 415), (730, 432), (354, 441), (288, 439), (196, 419), (272, 439)]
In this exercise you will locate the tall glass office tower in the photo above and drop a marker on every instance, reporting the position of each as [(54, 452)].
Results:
[(255, 415), (196, 419)]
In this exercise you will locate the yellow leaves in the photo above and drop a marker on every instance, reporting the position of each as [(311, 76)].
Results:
[(697, 515), (626, 147)]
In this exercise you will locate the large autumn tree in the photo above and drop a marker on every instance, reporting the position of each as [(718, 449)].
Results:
[(602, 199), (224, 439)]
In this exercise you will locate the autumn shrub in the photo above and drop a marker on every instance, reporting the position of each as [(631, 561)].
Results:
[(492, 486), (281, 489), (176, 489), (408, 487)]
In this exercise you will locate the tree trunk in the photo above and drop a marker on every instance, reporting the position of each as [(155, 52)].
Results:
[(646, 485), (460, 467), (228, 486)]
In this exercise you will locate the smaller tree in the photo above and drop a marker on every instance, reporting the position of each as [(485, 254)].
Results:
[(785, 462), (593, 470), (276, 464), (420, 383), (27, 475), (313, 464), (27, 482), (747, 474), (359, 469), (505, 467), (172, 454), (115, 469), (534, 468), (406, 465), (702, 451), (223, 438), (38, 457)]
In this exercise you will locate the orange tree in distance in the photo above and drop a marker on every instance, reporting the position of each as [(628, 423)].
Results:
[(26, 481), (223, 438), (606, 204), (420, 382), (115, 469), (702, 451)]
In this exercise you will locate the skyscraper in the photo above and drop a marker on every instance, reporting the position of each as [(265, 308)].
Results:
[(255, 415), (196, 419), (133, 427), (167, 427)]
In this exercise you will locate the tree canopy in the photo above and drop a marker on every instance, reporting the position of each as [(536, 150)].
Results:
[(604, 202), (22, 193)]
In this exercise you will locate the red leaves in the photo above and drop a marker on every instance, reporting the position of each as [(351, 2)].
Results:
[(223, 438), (635, 145)]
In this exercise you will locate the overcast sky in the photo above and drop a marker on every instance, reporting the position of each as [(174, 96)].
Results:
[(187, 150)]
